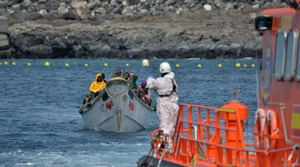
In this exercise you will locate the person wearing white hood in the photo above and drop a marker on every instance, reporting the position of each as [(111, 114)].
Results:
[(167, 90)]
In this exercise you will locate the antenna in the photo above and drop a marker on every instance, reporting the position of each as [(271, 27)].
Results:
[(236, 92)]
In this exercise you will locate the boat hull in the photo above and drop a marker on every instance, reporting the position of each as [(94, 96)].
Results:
[(153, 162), (117, 109)]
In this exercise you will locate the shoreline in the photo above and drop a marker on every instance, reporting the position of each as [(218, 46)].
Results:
[(167, 37), (135, 33)]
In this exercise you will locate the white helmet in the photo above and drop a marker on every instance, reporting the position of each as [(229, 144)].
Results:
[(165, 68)]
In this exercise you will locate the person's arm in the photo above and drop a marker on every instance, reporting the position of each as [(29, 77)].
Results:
[(147, 91), (92, 88), (139, 94), (103, 85), (152, 83), (134, 81)]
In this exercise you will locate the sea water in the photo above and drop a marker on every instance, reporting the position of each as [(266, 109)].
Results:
[(40, 124)]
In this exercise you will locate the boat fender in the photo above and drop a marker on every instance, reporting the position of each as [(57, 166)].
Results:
[(260, 121), (274, 130)]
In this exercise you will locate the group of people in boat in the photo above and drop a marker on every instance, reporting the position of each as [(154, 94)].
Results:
[(99, 84), (165, 86), (142, 91)]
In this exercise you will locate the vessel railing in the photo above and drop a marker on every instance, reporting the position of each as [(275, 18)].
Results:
[(201, 136)]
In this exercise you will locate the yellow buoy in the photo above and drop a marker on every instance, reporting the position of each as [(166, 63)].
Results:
[(219, 65), (145, 63), (6, 63), (0, 63), (47, 64), (105, 64), (67, 65), (28, 64), (127, 65), (245, 65), (252, 65), (177, 65), (199, 65), (13, 63), (86, 65), (238, 65)]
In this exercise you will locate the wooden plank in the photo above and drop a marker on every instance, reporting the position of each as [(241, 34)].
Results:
[(3, 24)]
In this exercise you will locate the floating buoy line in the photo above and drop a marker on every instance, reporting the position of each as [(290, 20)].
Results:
[(145, 63)]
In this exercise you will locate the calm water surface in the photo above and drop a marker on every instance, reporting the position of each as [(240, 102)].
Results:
[(40, 124)]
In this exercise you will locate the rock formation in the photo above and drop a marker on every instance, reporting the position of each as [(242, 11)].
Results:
[(134, 28)]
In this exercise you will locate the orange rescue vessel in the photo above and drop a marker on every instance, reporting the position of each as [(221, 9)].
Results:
[(208, 136)]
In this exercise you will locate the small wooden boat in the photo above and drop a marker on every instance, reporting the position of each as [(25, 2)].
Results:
[(117, 109)]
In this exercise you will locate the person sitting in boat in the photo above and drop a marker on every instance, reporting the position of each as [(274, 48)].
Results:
[(144, 94), (131, 80), (86, 100), (86, 103), (167, 90), (103, 76), (118, 73), (97, 85)]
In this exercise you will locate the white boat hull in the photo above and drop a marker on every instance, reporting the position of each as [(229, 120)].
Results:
[(117, 109)]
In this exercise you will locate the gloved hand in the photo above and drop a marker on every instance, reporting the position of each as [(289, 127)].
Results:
[(150, 80), (150, 77)]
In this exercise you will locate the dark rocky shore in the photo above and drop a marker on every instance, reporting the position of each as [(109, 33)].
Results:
[(134, 28)]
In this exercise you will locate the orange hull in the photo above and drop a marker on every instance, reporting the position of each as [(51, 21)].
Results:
[(207, 136)]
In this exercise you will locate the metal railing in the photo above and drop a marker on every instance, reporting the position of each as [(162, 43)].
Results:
[(203, 136)]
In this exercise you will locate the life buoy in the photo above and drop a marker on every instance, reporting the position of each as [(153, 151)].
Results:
[(260, 121), (274, 130), (266, 129)]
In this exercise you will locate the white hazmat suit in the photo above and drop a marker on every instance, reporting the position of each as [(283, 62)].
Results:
[(167, 107)]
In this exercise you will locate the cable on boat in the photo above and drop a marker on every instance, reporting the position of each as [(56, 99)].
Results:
[(162, 156), (286, 164), (151, 152)]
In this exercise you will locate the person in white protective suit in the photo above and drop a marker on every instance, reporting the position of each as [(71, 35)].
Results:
[(167, 90)]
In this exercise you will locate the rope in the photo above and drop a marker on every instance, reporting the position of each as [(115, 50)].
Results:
[(150, 152), (297, 160), (295, 147), (162, 156), (152, 149)]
